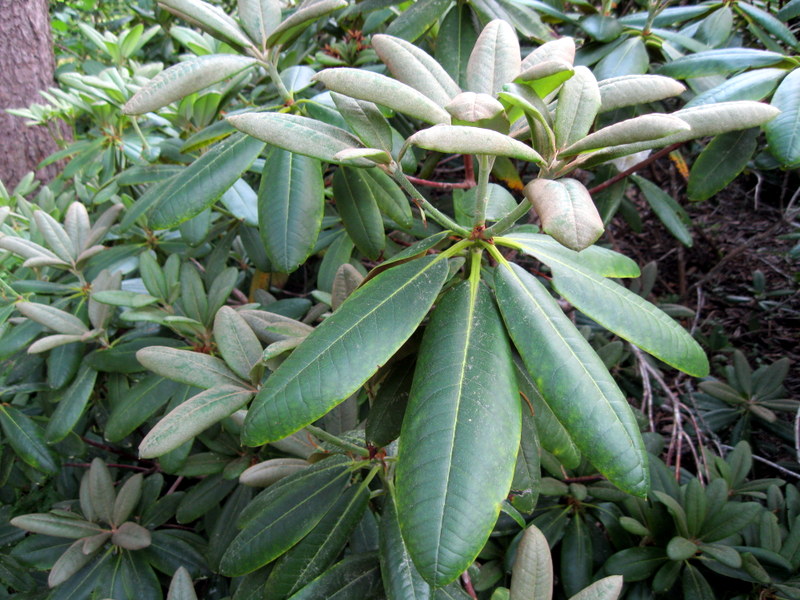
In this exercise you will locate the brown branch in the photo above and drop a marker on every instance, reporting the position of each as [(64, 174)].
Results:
[(440, 185), (620, 176)]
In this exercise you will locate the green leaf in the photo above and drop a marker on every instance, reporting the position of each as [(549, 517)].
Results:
[(721, 162), (629, 58), (731, 518), (101, 493), (131, 536), (71, 405), (635, 564), (769, 23), (191, 368), (566, 210), (608, 588), (377, 88), (719, 62), (127, 498), (494, 60), (783, 132), (629, 90), (460, 139), (694, 585), (416, 19), (457, 37), (286, 514), (464, 409), (237, 343), (55, 236), (600, 260), (139, 403), (359, 211), (578, 105), (124, 298), (320, 548), (679, 548), (629, 316), (54, 318), (750, 85), (576, 556), (27, 439), (401, 580), (666, 209), (532, 573), (366, 120), (209, 17), (290, 207), (354, 578), (183, 79), (416, 68), (638, 129), (602, 425), (56, 526), (193, 417), (293, 25), (69, 563), (294, 133), (329, 366), (181, 587), (259, 18), (550, 431), (271, 471), (198, 186)]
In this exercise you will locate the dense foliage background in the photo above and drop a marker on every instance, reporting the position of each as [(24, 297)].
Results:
[(177, 270)]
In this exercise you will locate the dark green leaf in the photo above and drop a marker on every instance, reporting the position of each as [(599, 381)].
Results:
[(783, 132), (417, 18), (27, 439), (629, 58), (357, 577), (71, 405), (401, 580), (636, 564), (719, 62), (328, 366), (601, 425), (695, 586), (576, 556), (721, 162), (139, 403), (456, 39), (667, 209), (460, 435), (359, 211)]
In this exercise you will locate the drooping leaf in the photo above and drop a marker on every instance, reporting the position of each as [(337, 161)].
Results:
[(637, 129), (719, 62), (416, 68), (290, 511), (600, 423), (720, 163), (328, 366), (377, 88), (293, 25), (294, 133), (460, 435), (183, 79), (209, 17), (198, 186), (193, 417), (494, 60), (667, 209)]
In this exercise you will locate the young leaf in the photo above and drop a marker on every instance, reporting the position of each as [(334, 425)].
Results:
[(293, 509), (209, 17), (184, 78), (293, 25), (127, 498), (629, 90), (191, 368), (55, 236), (638, 129), (416, 68), (601, 423), (54, 318), (259, 18), (566, 210), (328, 366), (193, 417), (131, 536), (197, 187), (181, 588), (464, 409), (377, 88), (366, 120), (607, 588), (265, 473), (237, 343), (298, 134), (532, 573), (461, 139), (77, 226), (494, 60), (578, 105)]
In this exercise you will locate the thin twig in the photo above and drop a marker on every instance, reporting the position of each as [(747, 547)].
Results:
[(174, 487), (441, 185), (620, 176)]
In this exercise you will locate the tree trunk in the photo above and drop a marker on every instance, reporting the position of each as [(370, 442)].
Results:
[(26, 66)]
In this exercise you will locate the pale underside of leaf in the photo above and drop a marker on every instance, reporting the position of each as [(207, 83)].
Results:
[(472, 140), (494, 60), (628, 90)]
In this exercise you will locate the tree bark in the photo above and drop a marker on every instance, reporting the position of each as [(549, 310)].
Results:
[(26, 66)]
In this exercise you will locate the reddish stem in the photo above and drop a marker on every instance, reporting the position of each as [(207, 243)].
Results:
[(461, 185), (468, 585), (111, 465), (619, 176)]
